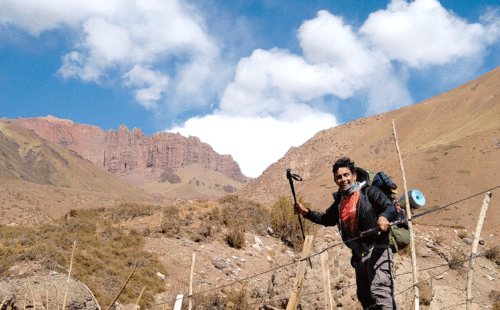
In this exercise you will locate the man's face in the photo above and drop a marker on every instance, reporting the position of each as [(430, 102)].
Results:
[(344, 178)]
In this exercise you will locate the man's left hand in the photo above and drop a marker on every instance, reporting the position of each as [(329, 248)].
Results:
[(383, 223)]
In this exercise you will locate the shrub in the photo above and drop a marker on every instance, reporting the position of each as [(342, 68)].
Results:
[(237, 299), (214, 214), (285, 223), (205, 230), (462, 234), (171, 224), (493, 254), (127, 211), (146, 232), (228, 199), (439, 240), (456, 261), (246, 214), (236, 237)]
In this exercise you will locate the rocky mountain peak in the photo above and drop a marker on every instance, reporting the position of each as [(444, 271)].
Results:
[(124, 153)]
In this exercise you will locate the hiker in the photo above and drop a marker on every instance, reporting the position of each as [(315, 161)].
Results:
[(359, 207)]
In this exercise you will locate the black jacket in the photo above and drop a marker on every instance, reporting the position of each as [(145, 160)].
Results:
[(373, 203)]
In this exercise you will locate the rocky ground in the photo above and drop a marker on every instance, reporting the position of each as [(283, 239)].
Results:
[(254, 274), (218, 265)]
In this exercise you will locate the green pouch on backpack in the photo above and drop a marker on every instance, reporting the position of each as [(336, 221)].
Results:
[(399, 237)]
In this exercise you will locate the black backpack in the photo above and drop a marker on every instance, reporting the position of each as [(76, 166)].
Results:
[(399, 234)]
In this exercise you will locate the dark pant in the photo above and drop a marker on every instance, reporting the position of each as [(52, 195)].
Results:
[(375, 280)]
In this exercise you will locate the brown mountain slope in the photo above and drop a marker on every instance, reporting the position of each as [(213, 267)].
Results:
[(450, 145), (38, 179), (195, 182)]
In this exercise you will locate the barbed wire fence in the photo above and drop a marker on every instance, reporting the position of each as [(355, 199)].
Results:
[(271, 300), (296, 261), (263, 301)]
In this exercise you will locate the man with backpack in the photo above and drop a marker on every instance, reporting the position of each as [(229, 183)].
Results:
[(359, 207)]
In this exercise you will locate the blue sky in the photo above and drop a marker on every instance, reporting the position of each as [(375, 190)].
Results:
[(251, 78)]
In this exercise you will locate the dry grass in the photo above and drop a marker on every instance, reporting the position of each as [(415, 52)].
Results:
[(104, 257), (493, 254), (242, 213), (456, 261), (172, 221), (406, 251), (285, 223), (128, 211), (235, 299), (236, 237), (438, 240), (463, 234)]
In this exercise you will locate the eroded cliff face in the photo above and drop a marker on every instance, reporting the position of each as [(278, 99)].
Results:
[(127, 153)]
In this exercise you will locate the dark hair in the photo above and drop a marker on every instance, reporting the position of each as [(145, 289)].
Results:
[(344, 162)]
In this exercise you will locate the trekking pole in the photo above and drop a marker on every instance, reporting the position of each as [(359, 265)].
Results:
[(290, 178)]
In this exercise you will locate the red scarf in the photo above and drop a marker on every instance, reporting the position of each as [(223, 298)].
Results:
[(348, 207)]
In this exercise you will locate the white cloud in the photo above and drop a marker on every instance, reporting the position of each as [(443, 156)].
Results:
[(492, 21), (76, 64), (38, 16), (423, 33), (120, 34), (268, 81), (255, 143), (337, 61), (326, 39), (141, 77), (108, 43)]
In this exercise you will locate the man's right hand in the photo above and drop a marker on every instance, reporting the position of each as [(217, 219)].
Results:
[(300, 209)]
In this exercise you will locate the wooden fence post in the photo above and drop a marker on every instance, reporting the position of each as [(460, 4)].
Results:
[(31, 292), (326, 281), (475, 242), (3, 301), (69, 274), (123, 287), (139, 298), (190, 306), (410, 225), (299, 278)]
